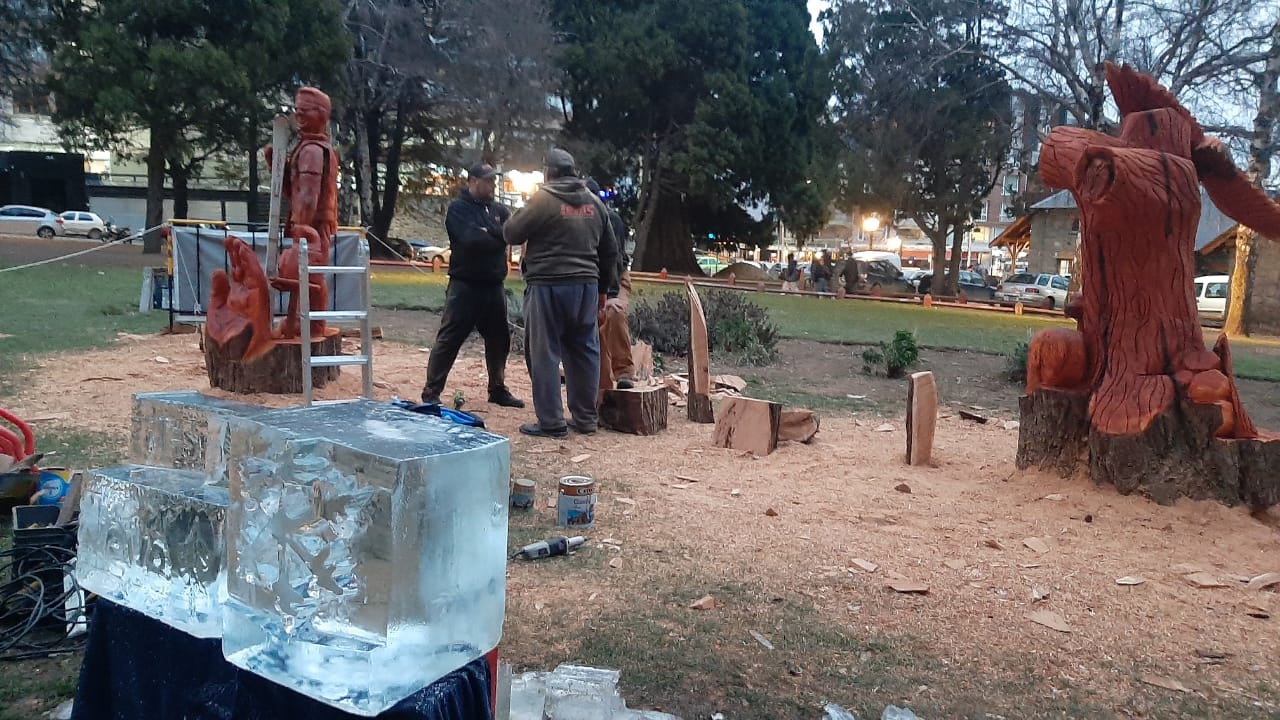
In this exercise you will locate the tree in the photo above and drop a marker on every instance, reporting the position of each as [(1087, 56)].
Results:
[(927, 126), (20, 59), (1262, 146), (715, 103), (194, 74)]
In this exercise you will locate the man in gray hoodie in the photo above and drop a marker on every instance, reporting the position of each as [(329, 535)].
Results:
[(569, 263)]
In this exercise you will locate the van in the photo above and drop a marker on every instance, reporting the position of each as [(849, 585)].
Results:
[(1211, 296)]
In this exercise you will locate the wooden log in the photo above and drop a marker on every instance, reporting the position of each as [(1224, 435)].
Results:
[(922, 417), (639, 411), (700, 410), (278, 371), (798, 426), (748, 424), (642, 360)]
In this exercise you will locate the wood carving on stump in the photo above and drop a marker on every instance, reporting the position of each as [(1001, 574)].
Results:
[(1132, 395), (242, 351), (699, 400)]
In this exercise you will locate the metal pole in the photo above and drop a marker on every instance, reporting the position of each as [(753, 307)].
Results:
[(279, 146), (304, 316)]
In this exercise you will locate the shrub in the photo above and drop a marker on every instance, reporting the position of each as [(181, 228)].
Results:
[(736, 326), (897, 356), (1015, 363)]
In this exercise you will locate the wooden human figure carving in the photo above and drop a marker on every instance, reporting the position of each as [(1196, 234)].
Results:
[(310, 184), (1137, 354), (240, 301)]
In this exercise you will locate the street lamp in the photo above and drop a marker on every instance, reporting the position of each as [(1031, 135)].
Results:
[(870, 224)]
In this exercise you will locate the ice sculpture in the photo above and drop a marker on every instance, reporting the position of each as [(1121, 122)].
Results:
[(184, 430), (152, 539), (366, 550)]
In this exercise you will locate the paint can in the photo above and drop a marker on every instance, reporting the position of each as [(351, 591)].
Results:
[(577, 504), (522, 493)]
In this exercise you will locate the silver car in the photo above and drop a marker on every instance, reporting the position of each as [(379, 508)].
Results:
[(83, 222), (27, 220), (1042, 290)]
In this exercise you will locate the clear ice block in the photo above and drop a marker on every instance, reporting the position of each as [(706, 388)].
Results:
[(185, 430), (152, 540), (366, 550)]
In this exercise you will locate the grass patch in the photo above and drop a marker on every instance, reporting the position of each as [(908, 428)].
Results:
[(54, 308), (79, 449)]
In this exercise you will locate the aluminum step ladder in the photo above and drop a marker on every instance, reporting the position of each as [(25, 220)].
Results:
[(338, 317)]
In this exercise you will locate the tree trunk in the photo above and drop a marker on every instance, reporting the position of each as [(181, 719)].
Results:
[(953, 265), (252, 204), (640, 411), (665, 237), (373, 137), (160, 144), (181, 197), (390, 187), (1237, 320)]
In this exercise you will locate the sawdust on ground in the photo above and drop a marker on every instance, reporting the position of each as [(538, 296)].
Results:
[(960, 530)]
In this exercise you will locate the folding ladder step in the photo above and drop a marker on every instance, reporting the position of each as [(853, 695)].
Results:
[(336, 360), (338, 315)]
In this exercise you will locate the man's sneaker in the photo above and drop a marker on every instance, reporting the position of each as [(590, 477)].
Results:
[(625, 384), (504, 398), (537, 430)]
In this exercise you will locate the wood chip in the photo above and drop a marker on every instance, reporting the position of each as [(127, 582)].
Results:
[(771, 512), (864, 565), (625, 501), (730, 381), (1204, 581), (908, 587), (1036, 544), (954, 564), (1038, 595), (615, 563), (579, 458), (680, 486), (1264, 580), (1166, 683), (1049, 619), (1257, 609), (706, 602), (993, 543), (1029, 566), (162, 360), (887, 427), (1056, 497), (761, 639), (103, 377), (965, 414), (46, 418), (1011, 425), (1130, 580), (1188, 568), (903, 488), (735, 492), (686, 478)]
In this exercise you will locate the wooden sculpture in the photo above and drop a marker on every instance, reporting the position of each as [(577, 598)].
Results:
[(243, 353), (699, 400), (1132, 394)]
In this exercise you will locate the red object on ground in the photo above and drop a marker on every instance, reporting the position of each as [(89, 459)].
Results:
[(10, 441)]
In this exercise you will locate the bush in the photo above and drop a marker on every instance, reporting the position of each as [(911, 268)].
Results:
[(897, 356), (736, 326), (1015, 363)]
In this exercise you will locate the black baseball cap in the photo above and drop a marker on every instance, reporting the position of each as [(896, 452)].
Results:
[(483, 171), (561, 160)]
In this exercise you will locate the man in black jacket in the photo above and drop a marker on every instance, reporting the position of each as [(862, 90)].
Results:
[(569, 263), (475, 299)]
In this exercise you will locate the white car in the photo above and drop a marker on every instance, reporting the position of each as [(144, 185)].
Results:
[(1211, 296), (1040, 290), (82, 222), (27, 220)]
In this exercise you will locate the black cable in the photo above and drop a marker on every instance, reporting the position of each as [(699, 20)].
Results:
[(36, 619)]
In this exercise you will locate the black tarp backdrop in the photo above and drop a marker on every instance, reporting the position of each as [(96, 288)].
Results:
[(48, 180)]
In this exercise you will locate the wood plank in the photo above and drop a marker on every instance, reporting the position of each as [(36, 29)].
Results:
[(798, 426), (700, 410), (748, 424), (642, 361), (640, 411), (922, 417)]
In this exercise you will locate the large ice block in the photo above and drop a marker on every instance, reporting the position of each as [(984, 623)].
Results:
[(152, 540), (366, 550), (185, 430)]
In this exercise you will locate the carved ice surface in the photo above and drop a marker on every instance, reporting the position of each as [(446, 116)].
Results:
[(366, 550), (151, 539), (184, 430)]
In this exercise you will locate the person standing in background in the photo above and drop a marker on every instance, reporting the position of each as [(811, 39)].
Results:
[(791, 275), (616, 366)]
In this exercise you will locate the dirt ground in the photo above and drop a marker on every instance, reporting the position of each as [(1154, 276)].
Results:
[(786, 546)]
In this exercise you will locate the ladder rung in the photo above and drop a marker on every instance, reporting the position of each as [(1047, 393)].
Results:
[(337, 269), (338, 315), (335, 360)]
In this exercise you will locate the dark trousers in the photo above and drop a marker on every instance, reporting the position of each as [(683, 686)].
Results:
[(560, 322), (470, 306)]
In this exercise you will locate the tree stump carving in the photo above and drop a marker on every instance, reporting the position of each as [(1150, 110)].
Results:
[(1132, 395)]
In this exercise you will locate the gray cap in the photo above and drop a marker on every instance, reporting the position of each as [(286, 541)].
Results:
[(561, 160)]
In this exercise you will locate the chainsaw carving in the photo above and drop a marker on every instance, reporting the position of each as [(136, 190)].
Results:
[(1132, 391)]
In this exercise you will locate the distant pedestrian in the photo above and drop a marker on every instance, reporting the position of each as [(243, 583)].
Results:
[(850, 275), (475, 299), (791, 275), (820, 271), (569, 263)]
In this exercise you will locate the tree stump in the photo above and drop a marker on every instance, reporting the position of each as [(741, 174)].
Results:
[(639, 411), (1132, 396), (748, 424), (277, 371), (699, 400), (922, 417), (798, 426)]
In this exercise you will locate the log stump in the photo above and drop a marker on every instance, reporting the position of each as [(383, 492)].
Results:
[(748, 424), (279, 371), (922, 417), (639, 411), (798, 426)]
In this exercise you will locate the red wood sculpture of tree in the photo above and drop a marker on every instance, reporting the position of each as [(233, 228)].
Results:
[(1132, 394)]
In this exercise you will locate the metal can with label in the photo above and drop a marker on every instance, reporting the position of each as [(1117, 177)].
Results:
[(522, 493), (577, 505)]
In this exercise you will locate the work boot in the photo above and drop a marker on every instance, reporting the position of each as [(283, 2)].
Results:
[(583, 428), (504, 398), (625, 384), (430, 398), (536, 430)]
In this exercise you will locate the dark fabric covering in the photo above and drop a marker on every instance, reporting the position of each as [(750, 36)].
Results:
[(137, 668)]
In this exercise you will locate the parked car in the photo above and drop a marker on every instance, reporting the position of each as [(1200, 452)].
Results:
[(1042, 290), (423, 252), (1211, 296), (82, 222), (882, 275), (711, 264), (912, 275), (972, 284), (27, 220)]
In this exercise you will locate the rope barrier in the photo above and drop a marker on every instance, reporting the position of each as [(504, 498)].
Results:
[(93, 249)]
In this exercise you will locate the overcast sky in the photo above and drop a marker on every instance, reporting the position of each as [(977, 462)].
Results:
[(815, 7)]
